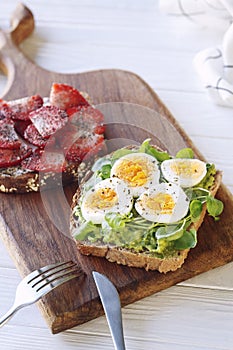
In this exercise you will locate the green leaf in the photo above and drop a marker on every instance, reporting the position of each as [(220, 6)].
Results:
[(116, 220), (188, 240), (120, 153), (147, 148), (170, 232), (144, 146), (195, 209), (105, 171), (196, 193), (100, 162), (185, 153), (214, 207)]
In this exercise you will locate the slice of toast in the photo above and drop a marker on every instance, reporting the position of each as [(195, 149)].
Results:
[(129, 257), (72, 142), (18, 180)]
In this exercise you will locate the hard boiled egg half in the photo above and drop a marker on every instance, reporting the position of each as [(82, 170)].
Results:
[(138, 170), (185, 172), (164, 203), (110, 195)]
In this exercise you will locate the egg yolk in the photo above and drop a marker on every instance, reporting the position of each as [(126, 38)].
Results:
[(161, 202), (186, 169), (133, 172), (103, 198)]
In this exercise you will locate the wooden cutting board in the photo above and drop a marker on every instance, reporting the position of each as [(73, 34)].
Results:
[(36, 234)]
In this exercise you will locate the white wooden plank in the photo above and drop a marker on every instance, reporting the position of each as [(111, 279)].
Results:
[(25, 338), (183, 314), (118, 46), (5, 259), (30, 315), (91, 57), (206, 119), (220, 278), (157, 322)]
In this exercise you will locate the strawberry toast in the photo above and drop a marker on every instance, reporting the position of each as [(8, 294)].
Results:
[(45, 139)]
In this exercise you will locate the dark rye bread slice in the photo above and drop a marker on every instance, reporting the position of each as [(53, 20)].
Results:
[(143, 259), (18, 180)]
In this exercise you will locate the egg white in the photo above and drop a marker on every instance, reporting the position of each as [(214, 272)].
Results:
[(149, 166), (94, 210), (185, 172), (179, 199)]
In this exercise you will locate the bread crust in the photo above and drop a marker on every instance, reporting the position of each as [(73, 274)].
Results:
[(141, 260), (15, 180)]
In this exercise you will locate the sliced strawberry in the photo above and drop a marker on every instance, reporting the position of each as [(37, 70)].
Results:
[(87, 118), (67, 136), (64, 96), (8, 137), (23, 106), (32, 162), (48, 119), (5, 111), (11, 157), (44, 161), (99, 129), (32, 135), (85, 147), (21, 126)]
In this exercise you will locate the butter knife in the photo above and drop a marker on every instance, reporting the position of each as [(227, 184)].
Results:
[(112, 308)]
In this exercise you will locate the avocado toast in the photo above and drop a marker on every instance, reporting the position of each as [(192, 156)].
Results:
[(141, 207)]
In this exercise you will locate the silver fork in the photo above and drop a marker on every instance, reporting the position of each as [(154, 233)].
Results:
[(40, 282)]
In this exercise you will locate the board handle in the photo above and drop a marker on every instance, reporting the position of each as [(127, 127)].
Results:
[(21, 26), (22, 23), (14, 64)]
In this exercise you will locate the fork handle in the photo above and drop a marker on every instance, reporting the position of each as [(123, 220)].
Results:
[(5, 318)]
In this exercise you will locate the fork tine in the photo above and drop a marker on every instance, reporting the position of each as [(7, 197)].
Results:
[(50, 272), (51, 278), (46, 269), (57, 282)]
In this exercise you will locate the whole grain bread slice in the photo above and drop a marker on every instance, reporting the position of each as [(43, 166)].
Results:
[(131, 258), (18, 180)]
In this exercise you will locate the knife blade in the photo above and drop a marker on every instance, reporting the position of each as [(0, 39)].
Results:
[(112, 308)]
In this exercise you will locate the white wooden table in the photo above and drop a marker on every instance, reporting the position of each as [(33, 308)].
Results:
[(80, 35)]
